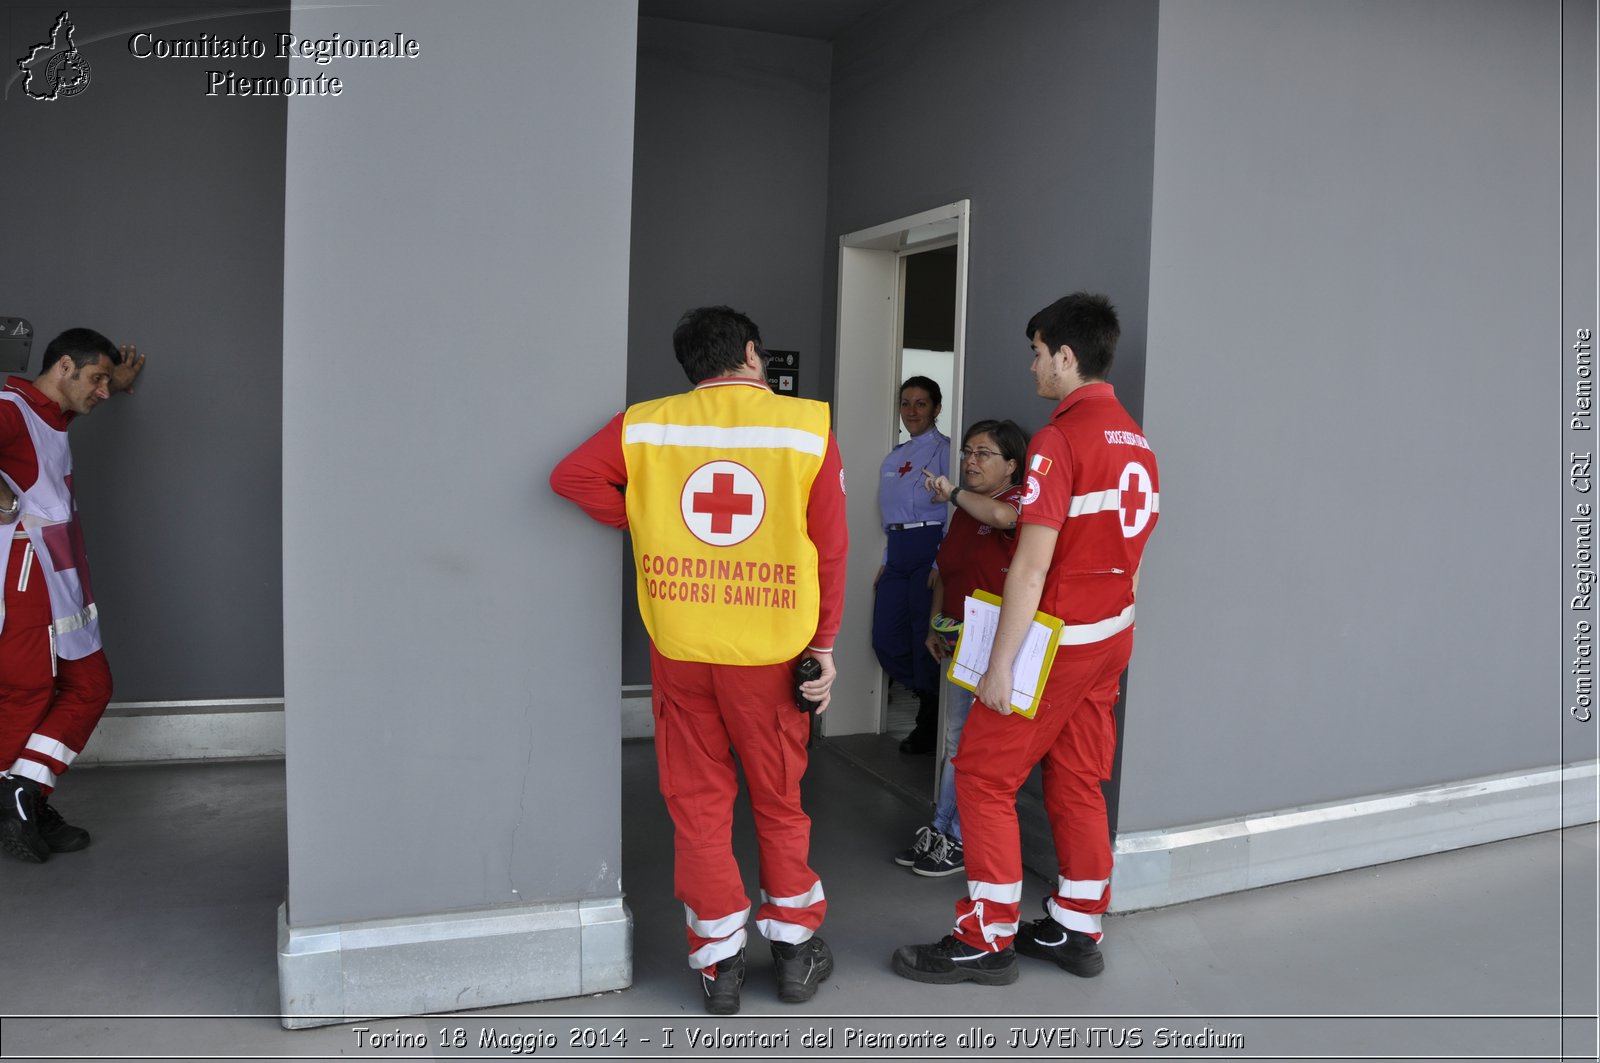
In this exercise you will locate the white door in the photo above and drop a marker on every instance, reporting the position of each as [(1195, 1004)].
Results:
[(866, 375)]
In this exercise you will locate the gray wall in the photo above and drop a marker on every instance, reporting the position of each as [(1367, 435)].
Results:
[(1354, 274), (729, 200), (147, 211), (1580, 298), (455, 303), (1039, 111)]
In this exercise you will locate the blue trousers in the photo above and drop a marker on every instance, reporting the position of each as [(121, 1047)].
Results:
[(946, 819), (901, 606)]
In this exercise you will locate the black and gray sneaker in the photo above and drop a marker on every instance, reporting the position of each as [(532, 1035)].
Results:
[(944, 858), (19, 820), (58, 834), (953, 960), (919, 848), (722, 990), (1073, 951), (801, 968)]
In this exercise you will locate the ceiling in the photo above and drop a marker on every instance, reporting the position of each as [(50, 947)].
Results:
[(822, 20)]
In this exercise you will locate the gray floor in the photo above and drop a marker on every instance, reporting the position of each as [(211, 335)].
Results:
[(171, 912)]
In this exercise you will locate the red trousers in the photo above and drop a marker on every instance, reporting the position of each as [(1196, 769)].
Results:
[(48, 707), (1074, 734), (704, 715)]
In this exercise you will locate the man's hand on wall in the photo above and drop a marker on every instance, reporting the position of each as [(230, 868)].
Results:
[(130, 364)]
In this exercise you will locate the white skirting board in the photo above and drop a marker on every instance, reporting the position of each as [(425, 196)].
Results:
[(1160, 867), (1153, 868), (638, 721), (143, 732), (452, 961)]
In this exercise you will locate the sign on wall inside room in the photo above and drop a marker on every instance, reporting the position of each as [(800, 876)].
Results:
[(783, 372), (16, 340)]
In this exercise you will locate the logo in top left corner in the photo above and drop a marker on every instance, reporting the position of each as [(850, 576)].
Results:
[(54, 69)]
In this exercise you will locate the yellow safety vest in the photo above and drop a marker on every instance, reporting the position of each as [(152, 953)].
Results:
[(718, 483)]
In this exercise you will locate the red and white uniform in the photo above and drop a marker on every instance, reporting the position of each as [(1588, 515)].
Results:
[(706, 712), (975, 556), (54, 680), (1092, 475)]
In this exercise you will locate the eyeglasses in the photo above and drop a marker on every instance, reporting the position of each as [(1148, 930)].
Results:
[(980, 454)]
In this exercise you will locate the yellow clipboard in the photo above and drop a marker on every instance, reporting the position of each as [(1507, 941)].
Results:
[(1031, 666)]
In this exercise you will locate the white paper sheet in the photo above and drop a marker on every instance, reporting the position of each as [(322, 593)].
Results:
[(982, 621)]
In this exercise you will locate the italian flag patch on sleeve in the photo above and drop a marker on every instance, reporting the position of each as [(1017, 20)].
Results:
[(1040, 464)]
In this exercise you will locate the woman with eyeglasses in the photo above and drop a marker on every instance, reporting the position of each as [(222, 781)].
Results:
[(913, 524), (975, 555)]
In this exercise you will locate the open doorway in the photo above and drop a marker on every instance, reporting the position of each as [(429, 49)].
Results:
[(928, 324), (925, 348), (869, 367)]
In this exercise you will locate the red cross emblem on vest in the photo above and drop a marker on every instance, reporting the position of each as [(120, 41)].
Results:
[(722, 503)]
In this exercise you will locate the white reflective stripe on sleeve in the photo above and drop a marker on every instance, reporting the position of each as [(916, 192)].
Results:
[(27, 565), (715, 928), (1004, 892), (803, 900), (710, 953), (1082, 922), (32, 769), (65, 624), (1084, 634), (1094, 502), (1083, 889), (51, 748), (778, 930), (718, 437)]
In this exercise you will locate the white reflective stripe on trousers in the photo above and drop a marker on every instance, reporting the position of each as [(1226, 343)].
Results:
[(51, 748), (990, 929), (1084, 889), (714, 951), (1082, 922), (1004, 892), (802, 900), (32, 769), (716, 928), (786, 932)]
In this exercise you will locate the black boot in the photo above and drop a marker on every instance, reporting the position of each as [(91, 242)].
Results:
[(20, 835), (923, 736), (58, 834)]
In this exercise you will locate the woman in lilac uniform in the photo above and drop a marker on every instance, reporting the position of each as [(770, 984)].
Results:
[(914, 525)]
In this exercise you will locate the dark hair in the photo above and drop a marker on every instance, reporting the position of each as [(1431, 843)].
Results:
[(709, 341), (83, 345), (1085, 322), (1009, 437), (926, 384)]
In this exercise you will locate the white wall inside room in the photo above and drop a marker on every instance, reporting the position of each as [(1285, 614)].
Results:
[(939, 367)]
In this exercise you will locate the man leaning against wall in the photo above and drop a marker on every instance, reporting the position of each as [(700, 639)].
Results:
[(54, 680), (735, 500)]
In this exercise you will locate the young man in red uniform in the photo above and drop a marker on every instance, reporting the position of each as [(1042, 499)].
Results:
[(735, 500), (54, 681), (1091, 500)]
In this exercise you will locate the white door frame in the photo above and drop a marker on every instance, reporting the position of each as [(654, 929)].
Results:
[(866, 361)]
